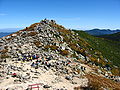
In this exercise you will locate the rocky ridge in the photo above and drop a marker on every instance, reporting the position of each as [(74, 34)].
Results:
[(50, 55)]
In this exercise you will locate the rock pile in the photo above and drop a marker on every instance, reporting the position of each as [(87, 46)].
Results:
[(25, 71), (42, 37), (30, 53), (41, 54)]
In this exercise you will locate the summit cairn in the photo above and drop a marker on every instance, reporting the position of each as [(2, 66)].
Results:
[(46, 56)]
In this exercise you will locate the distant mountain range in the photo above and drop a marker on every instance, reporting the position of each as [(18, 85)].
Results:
[(2, 34), (113, 37), (98, 32), (7, 31)]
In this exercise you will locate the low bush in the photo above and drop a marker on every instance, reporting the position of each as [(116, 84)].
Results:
[(52, 47), (4, 51), (115, 71), (64, 52), (32, 33), (64, 31), (37, 43), (3, 56)]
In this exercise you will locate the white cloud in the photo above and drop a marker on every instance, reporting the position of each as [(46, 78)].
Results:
[(2, 14)]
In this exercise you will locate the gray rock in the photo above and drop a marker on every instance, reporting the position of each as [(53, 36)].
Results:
[(68, 77), (46, 67), (46, 86)]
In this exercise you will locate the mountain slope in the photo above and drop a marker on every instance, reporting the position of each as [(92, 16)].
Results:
[(113, 37), (54, 57), (110, 49), (98, 32)]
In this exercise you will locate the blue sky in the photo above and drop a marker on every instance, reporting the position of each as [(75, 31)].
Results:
[(76, 14)]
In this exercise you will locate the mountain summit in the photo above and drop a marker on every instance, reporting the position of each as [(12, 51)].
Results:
[(47, 55)]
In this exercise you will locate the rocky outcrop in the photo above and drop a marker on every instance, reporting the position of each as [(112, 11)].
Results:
[(47, 53)]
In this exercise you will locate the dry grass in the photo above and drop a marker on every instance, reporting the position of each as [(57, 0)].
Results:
[(64, 52), (61, 29), (4, 51), (64, 31), (116, 71), (30, 28), (33, 25), (32, 33), (37, 43), (57, 26), (74, 47), (3, 56), (52, 47), (97, 82)]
